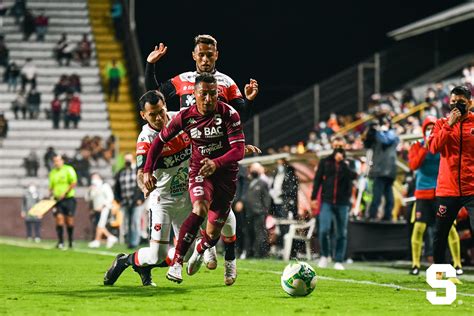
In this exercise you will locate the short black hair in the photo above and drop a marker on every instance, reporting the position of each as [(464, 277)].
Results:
[(462, 90), (152, 97), (205, 77), (205, 39)]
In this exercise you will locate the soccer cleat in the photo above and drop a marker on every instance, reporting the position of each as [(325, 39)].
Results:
[(94, 244), (111, 240), (118, 266), (210, 258), (339, 266), (415, 271), (230, 272), (60, 246), (323, 262), (459, 271), (174, 273), (195, 262), (145, 275)]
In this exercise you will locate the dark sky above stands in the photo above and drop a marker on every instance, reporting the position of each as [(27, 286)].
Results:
[(286, 45)]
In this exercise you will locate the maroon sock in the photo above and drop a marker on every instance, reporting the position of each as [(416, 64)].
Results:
[(206, 243), (187, 234)]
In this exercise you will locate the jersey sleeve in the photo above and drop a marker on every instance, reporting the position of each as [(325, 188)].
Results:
[(143, 146), (233, 92), (72, 175), (172, 129), (234, 128), (151, 83)]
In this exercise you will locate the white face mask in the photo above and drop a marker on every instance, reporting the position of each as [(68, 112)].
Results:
[(281, 168), (96, 182), (32, 189), (427, 134)]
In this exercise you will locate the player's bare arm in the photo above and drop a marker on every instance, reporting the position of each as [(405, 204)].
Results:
[(157, 53), (251, 149)]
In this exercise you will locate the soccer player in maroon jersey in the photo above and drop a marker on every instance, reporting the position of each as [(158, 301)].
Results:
[(218, 144)]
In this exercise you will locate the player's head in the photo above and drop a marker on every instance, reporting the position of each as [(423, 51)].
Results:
[(205, 53), (460, 97), (205, 92), (58, 161), (338, 142), (153, 109)]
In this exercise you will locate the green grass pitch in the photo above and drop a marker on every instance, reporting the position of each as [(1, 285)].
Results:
[(39, 281)]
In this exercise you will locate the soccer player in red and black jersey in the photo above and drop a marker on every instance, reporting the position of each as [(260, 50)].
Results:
[(218, 144), (205, 54)]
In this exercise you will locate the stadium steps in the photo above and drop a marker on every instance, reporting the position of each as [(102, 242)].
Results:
[(72, 18), (122, 114)]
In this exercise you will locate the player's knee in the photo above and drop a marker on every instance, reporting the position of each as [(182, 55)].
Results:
[(214, 235), (200, 208)]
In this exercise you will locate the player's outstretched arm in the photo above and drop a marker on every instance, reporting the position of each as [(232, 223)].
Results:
[(251, 149), (251, 90)]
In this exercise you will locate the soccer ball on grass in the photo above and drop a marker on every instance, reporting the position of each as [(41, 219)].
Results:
[(298, 279)]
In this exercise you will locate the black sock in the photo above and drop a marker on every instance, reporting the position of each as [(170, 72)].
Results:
[(70, 234), (229, 249), (131, 259), (59, 231)]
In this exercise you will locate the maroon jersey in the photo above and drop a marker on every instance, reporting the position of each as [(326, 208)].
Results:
[(211, 135)]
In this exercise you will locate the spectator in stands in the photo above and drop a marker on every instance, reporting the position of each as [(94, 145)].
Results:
[(130, 198), (29, 25), (73, 110), (75, 83), (4, 53), (18, 10), (48, 158), (335, 178), (19, 104), (383, 140), (312, 144), (84, 50), (41, 23), (3, 128), (56, 109), (11, 76), (64, 50), (28, 74), (81, 164), (31, 164), (101, 196), (32, 223), (333, 123), (109, 152), (34, 100), (468, 73), (62, 86), (116, 12), (114, 72)]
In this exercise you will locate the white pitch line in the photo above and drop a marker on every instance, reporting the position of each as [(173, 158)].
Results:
[(109, 253)]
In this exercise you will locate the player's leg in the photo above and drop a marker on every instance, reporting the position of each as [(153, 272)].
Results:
[(421, 208), (60, 221), (200, 190), (445, 216), (325, 220), (70, 204)]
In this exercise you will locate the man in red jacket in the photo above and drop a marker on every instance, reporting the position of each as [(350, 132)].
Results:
[(453, 138)]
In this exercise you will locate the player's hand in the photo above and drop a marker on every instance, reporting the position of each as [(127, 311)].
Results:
[(454, 116), (251, 89), (157, 53), (149, 181), (251, 149), (61, 197), (208, 167), (314, 204), (239, 206), (146, 192)]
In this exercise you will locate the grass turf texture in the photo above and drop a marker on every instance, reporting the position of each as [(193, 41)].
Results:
[(48, 281)]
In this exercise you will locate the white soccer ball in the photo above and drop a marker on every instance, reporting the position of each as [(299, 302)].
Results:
[(298, 279)]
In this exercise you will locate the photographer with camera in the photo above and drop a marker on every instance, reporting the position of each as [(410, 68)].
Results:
[(453, 138), (383, 140)]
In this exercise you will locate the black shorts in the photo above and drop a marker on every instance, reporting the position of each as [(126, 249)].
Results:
[(67, 207), (425, 211)]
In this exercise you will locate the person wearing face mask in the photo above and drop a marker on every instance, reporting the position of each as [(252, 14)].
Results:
[(101, 196), (453, 138), (130, 197), (335, 179), (33, 223), (426, 165)]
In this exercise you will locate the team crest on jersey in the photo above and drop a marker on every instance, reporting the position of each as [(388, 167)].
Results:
[(442, 211), (157, 227)]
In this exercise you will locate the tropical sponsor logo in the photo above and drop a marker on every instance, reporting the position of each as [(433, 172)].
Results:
[(209, 149)]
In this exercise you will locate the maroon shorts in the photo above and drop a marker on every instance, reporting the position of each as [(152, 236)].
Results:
[(218, 190)]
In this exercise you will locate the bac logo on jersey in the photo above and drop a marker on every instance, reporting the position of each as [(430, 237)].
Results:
[(442, 211), (195, 133), (157, 227), (211, 132)]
